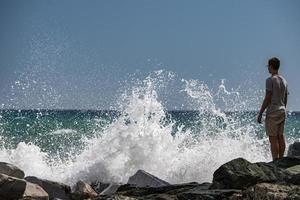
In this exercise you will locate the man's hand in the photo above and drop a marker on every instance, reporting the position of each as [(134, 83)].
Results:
[(259, 116)]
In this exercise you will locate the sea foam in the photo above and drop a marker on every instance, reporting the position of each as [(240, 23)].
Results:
[(142, 138)]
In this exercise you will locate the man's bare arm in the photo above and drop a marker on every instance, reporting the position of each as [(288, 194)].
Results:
[(285, 98), (266, 102)]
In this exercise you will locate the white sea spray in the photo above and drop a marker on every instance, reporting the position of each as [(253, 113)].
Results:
[(140, 138)]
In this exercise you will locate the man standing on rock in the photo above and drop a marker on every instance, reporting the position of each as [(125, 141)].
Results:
[(275, 101)]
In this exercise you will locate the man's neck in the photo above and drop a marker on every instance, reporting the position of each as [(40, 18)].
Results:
[(274, 73)]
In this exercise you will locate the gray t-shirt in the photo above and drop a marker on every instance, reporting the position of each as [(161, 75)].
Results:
[(278, 86)]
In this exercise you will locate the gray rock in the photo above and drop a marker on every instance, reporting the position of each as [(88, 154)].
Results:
[(174, 192), (294, 150), (11, 170), (294, 170), (270, 191), (11, 187), (111, 189), (83, 190), (133, 191), (286, 162), (144, 179), (294, 173), (54, 189), (116, 197), (99, 186), (35, 192), (239, 174), (207, 194)]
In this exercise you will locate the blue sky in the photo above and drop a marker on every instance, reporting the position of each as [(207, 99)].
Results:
[(77, 54)]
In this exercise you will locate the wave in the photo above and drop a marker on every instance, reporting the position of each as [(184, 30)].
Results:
[(142, 138)]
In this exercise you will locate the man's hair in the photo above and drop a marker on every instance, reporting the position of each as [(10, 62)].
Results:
[(274, 62)]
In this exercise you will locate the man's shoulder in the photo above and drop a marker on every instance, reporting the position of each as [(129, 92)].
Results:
[(282, 78), (269, 79)]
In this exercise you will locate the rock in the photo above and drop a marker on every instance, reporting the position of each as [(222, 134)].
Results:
[(35, 192), (83, 190), (294, 173), (286, 162), (54, 189), (178, 192), (11, 187), (239, 174), (116, 197), (294, 150), (208, 194), (134, 191), (143, 179), (273, 192), (111, 189), (99, 186), (11, 170), (294, 170)]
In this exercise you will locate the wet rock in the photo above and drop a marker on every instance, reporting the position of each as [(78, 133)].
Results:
[(99, 186), (273, 192), (176, 192), (144, 179), (54, 189), (286, 162), (239, 174), (83, 190), (11, 187), (116, 197), (111, 189), (197, 193), (11, 170), (294, 170), (294, 175), (35, 192), (134, 191), (294, 150)]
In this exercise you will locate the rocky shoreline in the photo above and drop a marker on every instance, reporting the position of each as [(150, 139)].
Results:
[(235, 180)]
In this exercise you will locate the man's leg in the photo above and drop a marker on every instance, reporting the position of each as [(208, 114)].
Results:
[(274, 147), (281, 145)]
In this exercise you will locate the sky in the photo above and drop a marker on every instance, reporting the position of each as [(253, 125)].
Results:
[(81, 54)]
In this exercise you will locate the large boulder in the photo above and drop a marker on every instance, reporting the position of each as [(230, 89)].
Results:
[(145, 179), (272, 191), (240, 174), (54, 189), (11, 187), (11, 170), (294, 150), (83, 190), (35, 192)]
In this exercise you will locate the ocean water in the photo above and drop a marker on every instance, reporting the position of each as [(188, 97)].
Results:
[(111, 145)]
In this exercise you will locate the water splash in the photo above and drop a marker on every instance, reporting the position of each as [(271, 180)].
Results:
[(142, 138)]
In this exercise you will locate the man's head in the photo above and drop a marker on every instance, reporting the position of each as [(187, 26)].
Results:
[(273, 65)]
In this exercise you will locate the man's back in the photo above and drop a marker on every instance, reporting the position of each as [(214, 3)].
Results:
[(277, 85), (275, 101)]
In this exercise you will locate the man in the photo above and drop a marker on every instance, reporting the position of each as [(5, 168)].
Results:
[(275, 101)]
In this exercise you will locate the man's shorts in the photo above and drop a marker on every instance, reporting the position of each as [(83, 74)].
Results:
[(275, 123)]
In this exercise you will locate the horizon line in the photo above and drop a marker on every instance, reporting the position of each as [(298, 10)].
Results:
[(68, 109)]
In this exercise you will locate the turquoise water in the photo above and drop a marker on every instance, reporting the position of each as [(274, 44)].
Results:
[(62, 131)]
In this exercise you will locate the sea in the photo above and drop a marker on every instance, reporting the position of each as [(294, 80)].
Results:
[(111, 145)]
